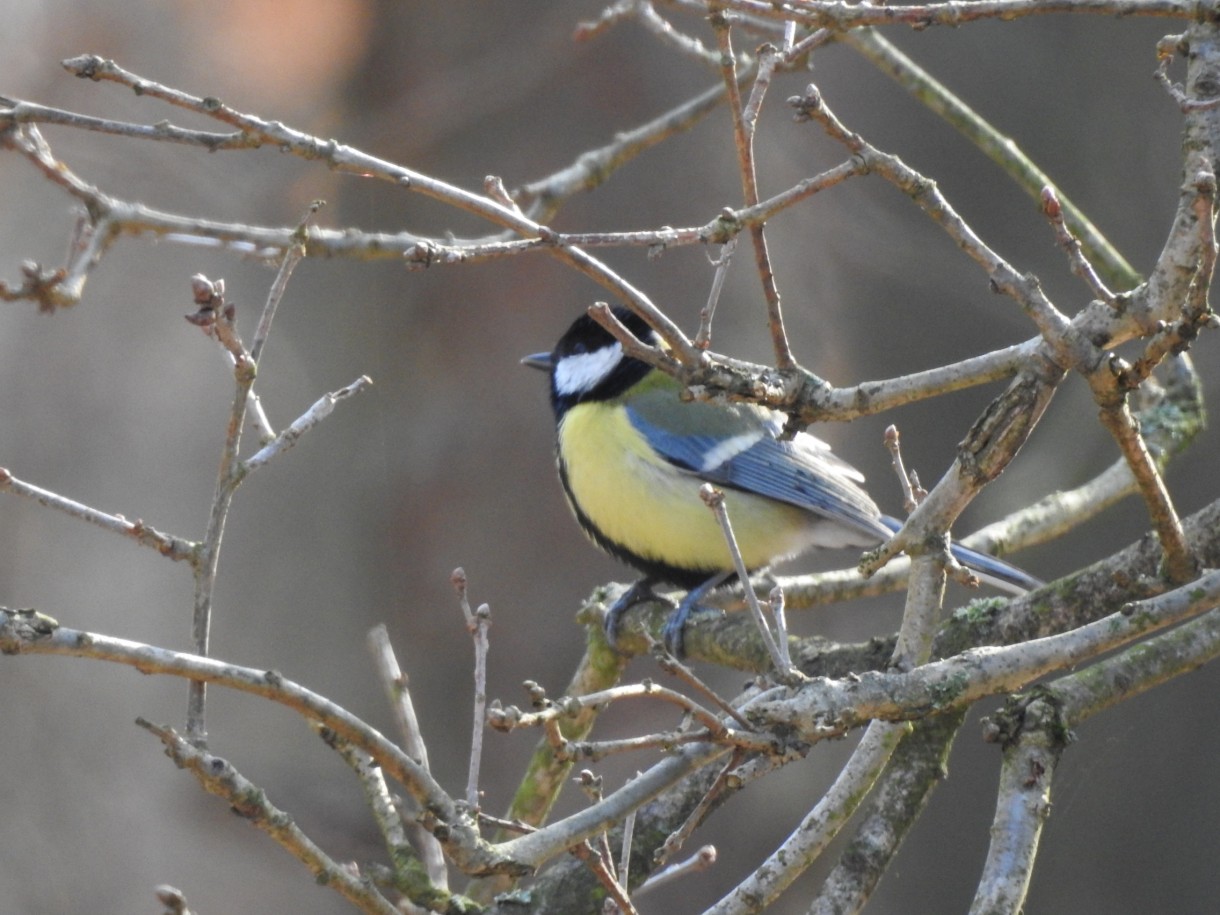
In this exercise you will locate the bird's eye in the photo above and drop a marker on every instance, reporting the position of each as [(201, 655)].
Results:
[(579, 349)]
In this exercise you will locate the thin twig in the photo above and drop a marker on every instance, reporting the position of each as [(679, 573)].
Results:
[(703, 339), (893, 445), (675, 667), (1052, 208), (477, 623), (603, 870), (842, 16), (677, 765), (376, 795), (611, 15), (505, 824), (819, 826), (210, 297), (218, 777), (714, 500), (676, 839), (279, 286), (322, 408), (776, 602), (647, 15), (167, 545), (700, 861), (632, 345), (624, 866), (511, 718), (397, 688), (745, 119), (594, 750), (1001, 149), (1116, 417)]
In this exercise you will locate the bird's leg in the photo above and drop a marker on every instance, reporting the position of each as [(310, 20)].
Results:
[(638, 593), (672, 634)]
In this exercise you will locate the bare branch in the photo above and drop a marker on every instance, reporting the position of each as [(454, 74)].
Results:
[(322, 408), (167, 545), (701, 860), (1023, 802), (892, 808), (1112, 607), (840, 15), (511, 718), (397, 689), (1001, 149), (714, 499), (715, 792), (546, 843), (1052, 207), (288, 263), (703, 339), (1117, 418), (219, 777), (23, 112), (1141, 667), (217, 319), (818, 827), (745, 119), (976, 672)]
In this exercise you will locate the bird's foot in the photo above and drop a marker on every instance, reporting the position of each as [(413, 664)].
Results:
[(638, 593), (673, 635)]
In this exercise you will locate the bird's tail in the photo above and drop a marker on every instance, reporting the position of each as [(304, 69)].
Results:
[(995, 572)]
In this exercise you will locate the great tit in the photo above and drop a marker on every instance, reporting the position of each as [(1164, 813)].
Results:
[(632, 457)]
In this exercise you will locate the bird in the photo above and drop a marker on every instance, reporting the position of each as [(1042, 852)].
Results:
[(632, 454)]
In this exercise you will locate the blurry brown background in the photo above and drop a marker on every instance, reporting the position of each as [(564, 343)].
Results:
[(120, 403)]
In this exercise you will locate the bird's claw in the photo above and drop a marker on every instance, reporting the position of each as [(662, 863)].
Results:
[(672, 635), (638, 593)]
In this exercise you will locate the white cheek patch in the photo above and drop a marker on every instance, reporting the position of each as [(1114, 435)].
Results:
[(580, 373), (729, 449)]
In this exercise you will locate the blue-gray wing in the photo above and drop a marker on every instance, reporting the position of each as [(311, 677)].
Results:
[(738, 446)]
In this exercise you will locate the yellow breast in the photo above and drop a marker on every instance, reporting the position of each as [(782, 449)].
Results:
[(651, 508)]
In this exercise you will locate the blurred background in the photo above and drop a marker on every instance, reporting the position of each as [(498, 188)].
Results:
[(120, 403)]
